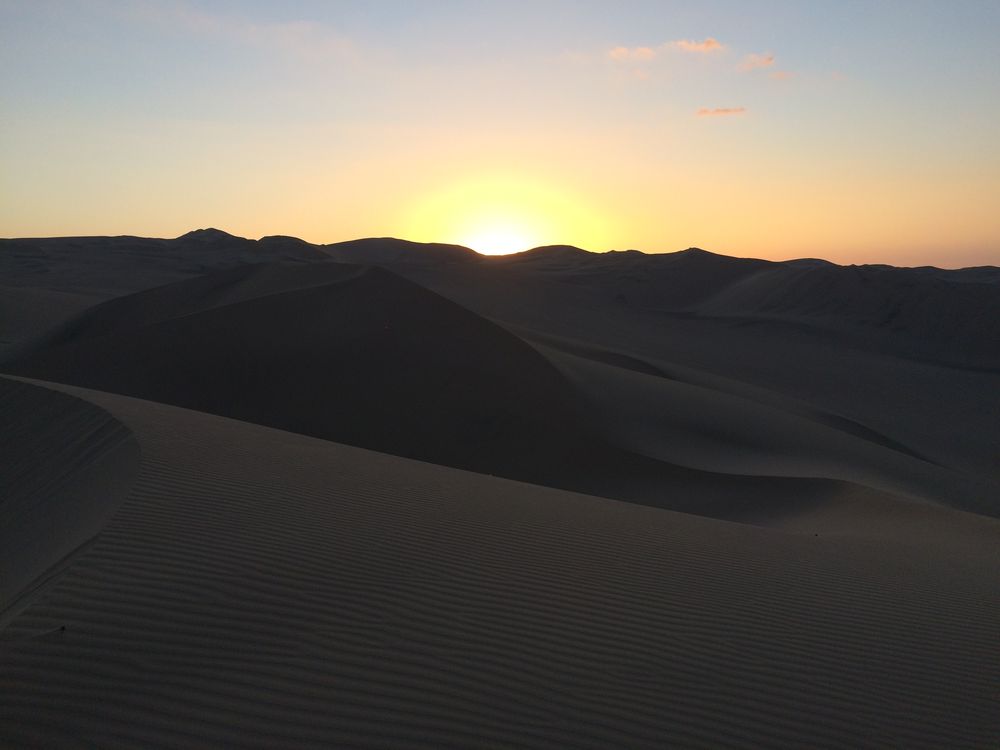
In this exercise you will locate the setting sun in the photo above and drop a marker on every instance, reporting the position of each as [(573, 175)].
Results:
[(498, 240), (498, 213)]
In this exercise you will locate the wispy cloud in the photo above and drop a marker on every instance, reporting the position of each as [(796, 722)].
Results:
[(755, 62), (705, 45), (631, 54), (640, 55), (721, 112), (781, 75)]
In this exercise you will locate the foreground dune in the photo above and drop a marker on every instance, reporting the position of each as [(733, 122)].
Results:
[(260, 588), (383, 494)]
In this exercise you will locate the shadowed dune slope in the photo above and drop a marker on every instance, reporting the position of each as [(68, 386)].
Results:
[(939, 317), (343, 352), (194, 577), (808, 339), (66, 467), (674, 281), (259, 588), (27, 313), (709, 429), (107, 267), (190, 297), (841, 374), (361, 356), (927, 314)]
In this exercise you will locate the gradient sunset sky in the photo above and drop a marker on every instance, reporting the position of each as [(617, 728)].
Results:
[(854, 131)]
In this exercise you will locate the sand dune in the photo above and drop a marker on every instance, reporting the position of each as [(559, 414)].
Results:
[(920, 315), (675, 281), (263, 588), (199, 294), (27, 313), (214, 531), (337, 351), (706, 429), (945, 413), (932, 315), (111, 266), (67, 466), (361, 356), (804, 355)]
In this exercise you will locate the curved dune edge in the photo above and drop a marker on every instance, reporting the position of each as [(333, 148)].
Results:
[(67, 467), (353, 354), (265, 588), (709, 430), (899, 399), (281, 345), (700, 379)]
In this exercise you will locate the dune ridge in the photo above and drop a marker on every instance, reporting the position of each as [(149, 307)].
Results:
[(909, 400), (281, 345), (332, 350), (67, 466), (303, 593), (928, 314)]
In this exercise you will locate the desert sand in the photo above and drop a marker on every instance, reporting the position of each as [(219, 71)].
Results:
[(384, 494)]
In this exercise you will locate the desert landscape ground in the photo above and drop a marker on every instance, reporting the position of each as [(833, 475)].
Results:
[(265, 493)]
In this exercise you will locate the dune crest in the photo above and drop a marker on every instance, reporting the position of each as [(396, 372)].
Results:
[(67, 466)]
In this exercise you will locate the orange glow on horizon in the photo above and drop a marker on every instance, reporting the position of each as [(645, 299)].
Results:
[(331, 124), (499, 214)]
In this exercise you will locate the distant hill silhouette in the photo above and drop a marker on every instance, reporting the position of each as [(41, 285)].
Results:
[(931, 314)]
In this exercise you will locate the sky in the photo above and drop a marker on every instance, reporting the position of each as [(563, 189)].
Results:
[(859, 132)]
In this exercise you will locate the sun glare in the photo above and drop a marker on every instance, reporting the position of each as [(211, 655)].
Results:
[(497, 240), (501, 213)]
